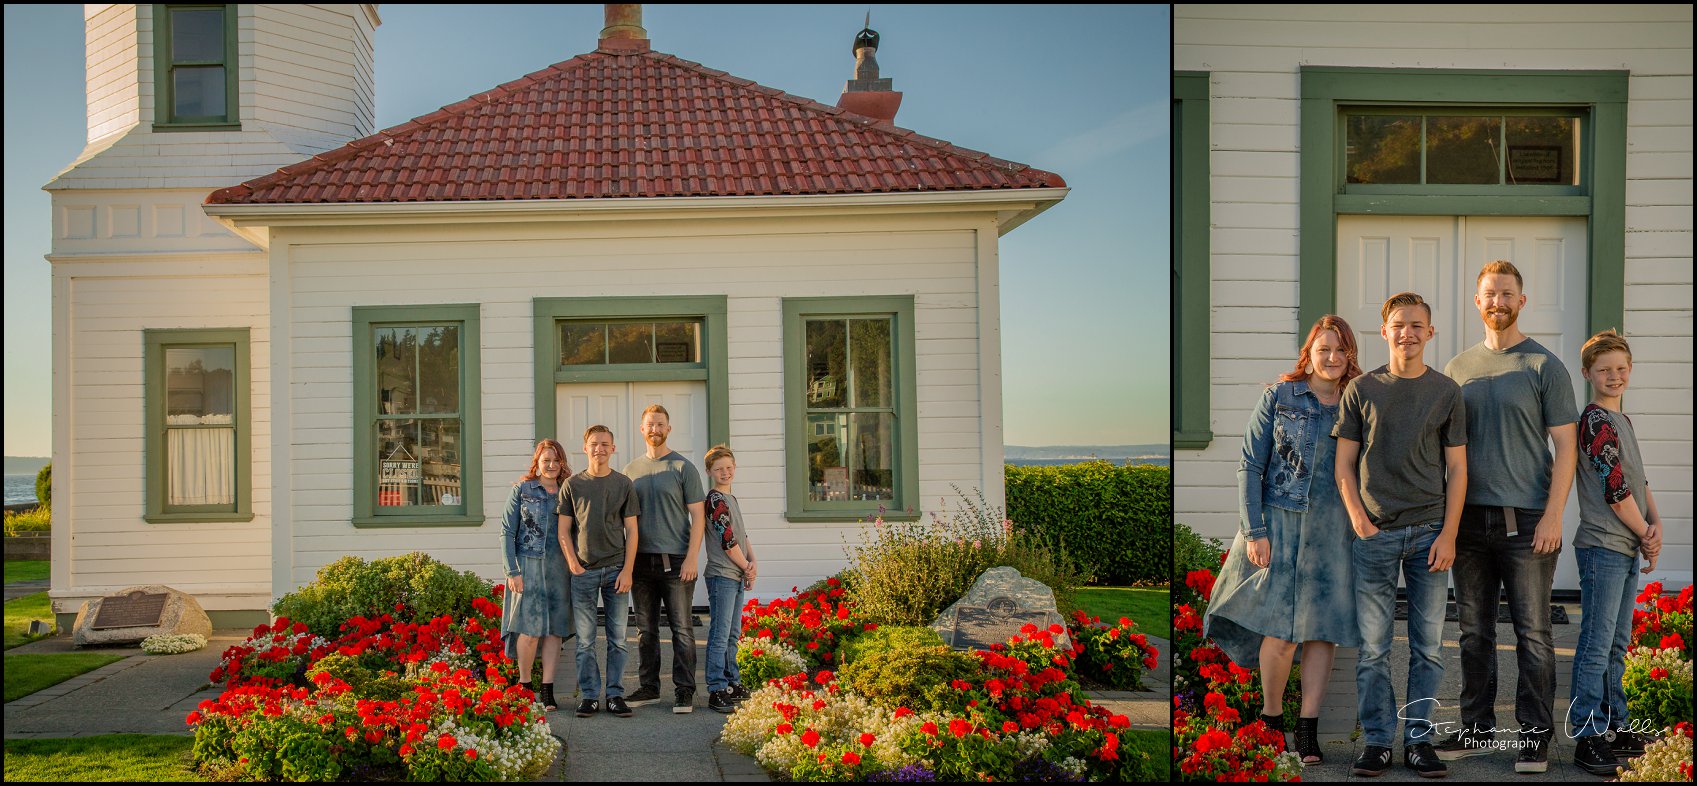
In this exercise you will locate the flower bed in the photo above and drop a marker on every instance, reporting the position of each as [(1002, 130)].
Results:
[(172, 644), (1658, 684), (1112, 655)]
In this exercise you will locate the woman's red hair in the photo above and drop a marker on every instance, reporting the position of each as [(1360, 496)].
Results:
[(1346, 338), (536, 461)]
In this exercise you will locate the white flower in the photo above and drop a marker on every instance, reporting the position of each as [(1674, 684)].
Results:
[(173, 644)]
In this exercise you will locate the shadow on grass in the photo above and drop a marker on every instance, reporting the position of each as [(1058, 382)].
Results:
[(117, 757)]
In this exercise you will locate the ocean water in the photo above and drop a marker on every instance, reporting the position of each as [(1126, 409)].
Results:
[(20, 488)]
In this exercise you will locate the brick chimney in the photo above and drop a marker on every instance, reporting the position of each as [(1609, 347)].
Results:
[(624, 33), (867, 94)]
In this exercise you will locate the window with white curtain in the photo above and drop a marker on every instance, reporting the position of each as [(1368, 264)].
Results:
[(197, 425)]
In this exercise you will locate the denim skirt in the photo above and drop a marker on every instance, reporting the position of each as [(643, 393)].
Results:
[(545, 606)]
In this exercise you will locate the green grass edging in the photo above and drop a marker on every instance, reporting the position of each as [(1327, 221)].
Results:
[(116, 757), (26, 570), (20, 612), (1149, 607), (26, 674)]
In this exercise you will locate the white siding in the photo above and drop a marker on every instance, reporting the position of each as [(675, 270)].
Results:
[(114, 83), (1253, 53), (503, 268)]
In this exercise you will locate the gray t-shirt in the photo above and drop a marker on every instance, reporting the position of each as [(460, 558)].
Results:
[(667, 486), (1403, 426), (1610, 470), (724, 531), (598, 507), (1514, 397)]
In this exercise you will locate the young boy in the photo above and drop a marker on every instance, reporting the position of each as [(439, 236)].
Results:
[(1402, 475), (598, 509), (1617, 522), (730, 570)]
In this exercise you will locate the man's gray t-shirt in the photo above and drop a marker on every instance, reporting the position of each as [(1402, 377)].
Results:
[(1403, 426), (598, 507), (1514, 397), (666, 486)]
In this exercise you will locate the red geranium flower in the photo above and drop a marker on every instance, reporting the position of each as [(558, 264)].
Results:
[(810, 737), (447, 742)]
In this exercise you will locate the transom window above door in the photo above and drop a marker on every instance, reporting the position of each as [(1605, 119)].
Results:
[(624, 342), (1445, 150)]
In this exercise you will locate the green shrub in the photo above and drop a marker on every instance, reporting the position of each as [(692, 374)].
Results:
[(1108, 517), (411, 587), (889, 637), (32, 520), (907, 573), (1191, 553), (914, 677), (44, 486)]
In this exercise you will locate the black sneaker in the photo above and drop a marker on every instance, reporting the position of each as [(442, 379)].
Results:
[(1625, 744), (1373, 762), (588, 707), (1534, 756), (644, 694), (738, 692), (1424, 761), (1594, 756), (617, 706), (1463, 744), (720, 701), (685, 700)]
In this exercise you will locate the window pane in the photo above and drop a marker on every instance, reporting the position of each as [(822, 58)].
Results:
[(439, 369), (1382, 148), (827, 466), (197, 35), (630, 343), (397, 366), (440, 457), (582, 344), (200, 385), (677, 342), (869, 351), (198, 91), (872, 455), (827, 369), (1541, 150), (200, 466), (1463, 150), (398, 470)]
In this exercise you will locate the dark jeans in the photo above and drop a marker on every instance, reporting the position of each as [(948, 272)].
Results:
[(1488, 561), (652, 583)]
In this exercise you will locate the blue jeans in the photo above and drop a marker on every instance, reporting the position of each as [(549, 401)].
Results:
[(1608, 589), (587, 587), (724, 603), (1377, 562)]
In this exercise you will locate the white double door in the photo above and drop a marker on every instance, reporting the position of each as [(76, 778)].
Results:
[(619, 406), (1440, 257)]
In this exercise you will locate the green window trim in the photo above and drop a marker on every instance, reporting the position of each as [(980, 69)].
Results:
[(164, 117), (1599, 98), (710, 309), (1191, 274), (155, 343), (905, 506), (470, 511)]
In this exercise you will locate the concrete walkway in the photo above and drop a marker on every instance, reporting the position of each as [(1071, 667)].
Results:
[(18, 589)]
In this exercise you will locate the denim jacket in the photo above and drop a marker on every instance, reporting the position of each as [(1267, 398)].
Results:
[(530, 525), (1278, 454)]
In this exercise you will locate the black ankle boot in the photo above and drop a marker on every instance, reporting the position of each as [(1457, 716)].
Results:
[(548, 697), (1308, 740), (1274, 722)]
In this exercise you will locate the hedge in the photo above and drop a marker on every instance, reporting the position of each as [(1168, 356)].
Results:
[(1115, 520)]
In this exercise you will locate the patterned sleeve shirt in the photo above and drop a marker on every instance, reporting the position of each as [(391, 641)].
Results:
[(719, 517), (1601, 445)]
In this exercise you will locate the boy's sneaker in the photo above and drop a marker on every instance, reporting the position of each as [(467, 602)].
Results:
[(1463, 744), (588, 707), (617, 706), (685, 700), (738, 692), (1594, 756), (720, 701), (1625, 743), (1373, 761), (1424, 761), (1534, 755), (644, 694)]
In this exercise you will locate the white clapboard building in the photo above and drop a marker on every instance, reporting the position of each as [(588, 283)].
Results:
[(1328, 156), (282, 336)]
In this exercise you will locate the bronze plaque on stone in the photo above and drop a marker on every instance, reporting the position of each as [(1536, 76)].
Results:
[(982, 627), (135, 610)]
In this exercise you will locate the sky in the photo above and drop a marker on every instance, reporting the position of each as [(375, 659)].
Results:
[(1077, 90)]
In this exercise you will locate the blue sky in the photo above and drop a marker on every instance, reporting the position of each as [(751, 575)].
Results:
[(1077, 90)]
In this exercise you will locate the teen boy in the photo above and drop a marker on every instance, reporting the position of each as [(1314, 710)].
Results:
[(1401, 429), (598, 509)]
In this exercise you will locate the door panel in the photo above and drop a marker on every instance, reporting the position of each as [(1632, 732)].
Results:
[(619, 405)]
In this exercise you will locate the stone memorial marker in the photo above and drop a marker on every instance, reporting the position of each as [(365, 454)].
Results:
[(133, 614), (1000, 602)]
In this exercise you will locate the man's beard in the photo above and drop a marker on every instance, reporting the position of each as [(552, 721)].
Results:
[(1494, 317)]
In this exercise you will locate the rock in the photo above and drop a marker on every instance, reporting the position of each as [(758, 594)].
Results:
[(180, 613), (1000, 602)]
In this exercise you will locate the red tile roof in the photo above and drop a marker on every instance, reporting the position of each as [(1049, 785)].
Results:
[(643, 124)]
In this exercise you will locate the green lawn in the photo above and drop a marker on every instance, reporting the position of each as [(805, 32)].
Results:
[(1149, 607), (1156, 743), (19, 613), (118, 757), (26, 570), (26, 674)]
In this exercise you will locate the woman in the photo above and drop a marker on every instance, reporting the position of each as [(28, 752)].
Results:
[(538, 604), (1287, 578)]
